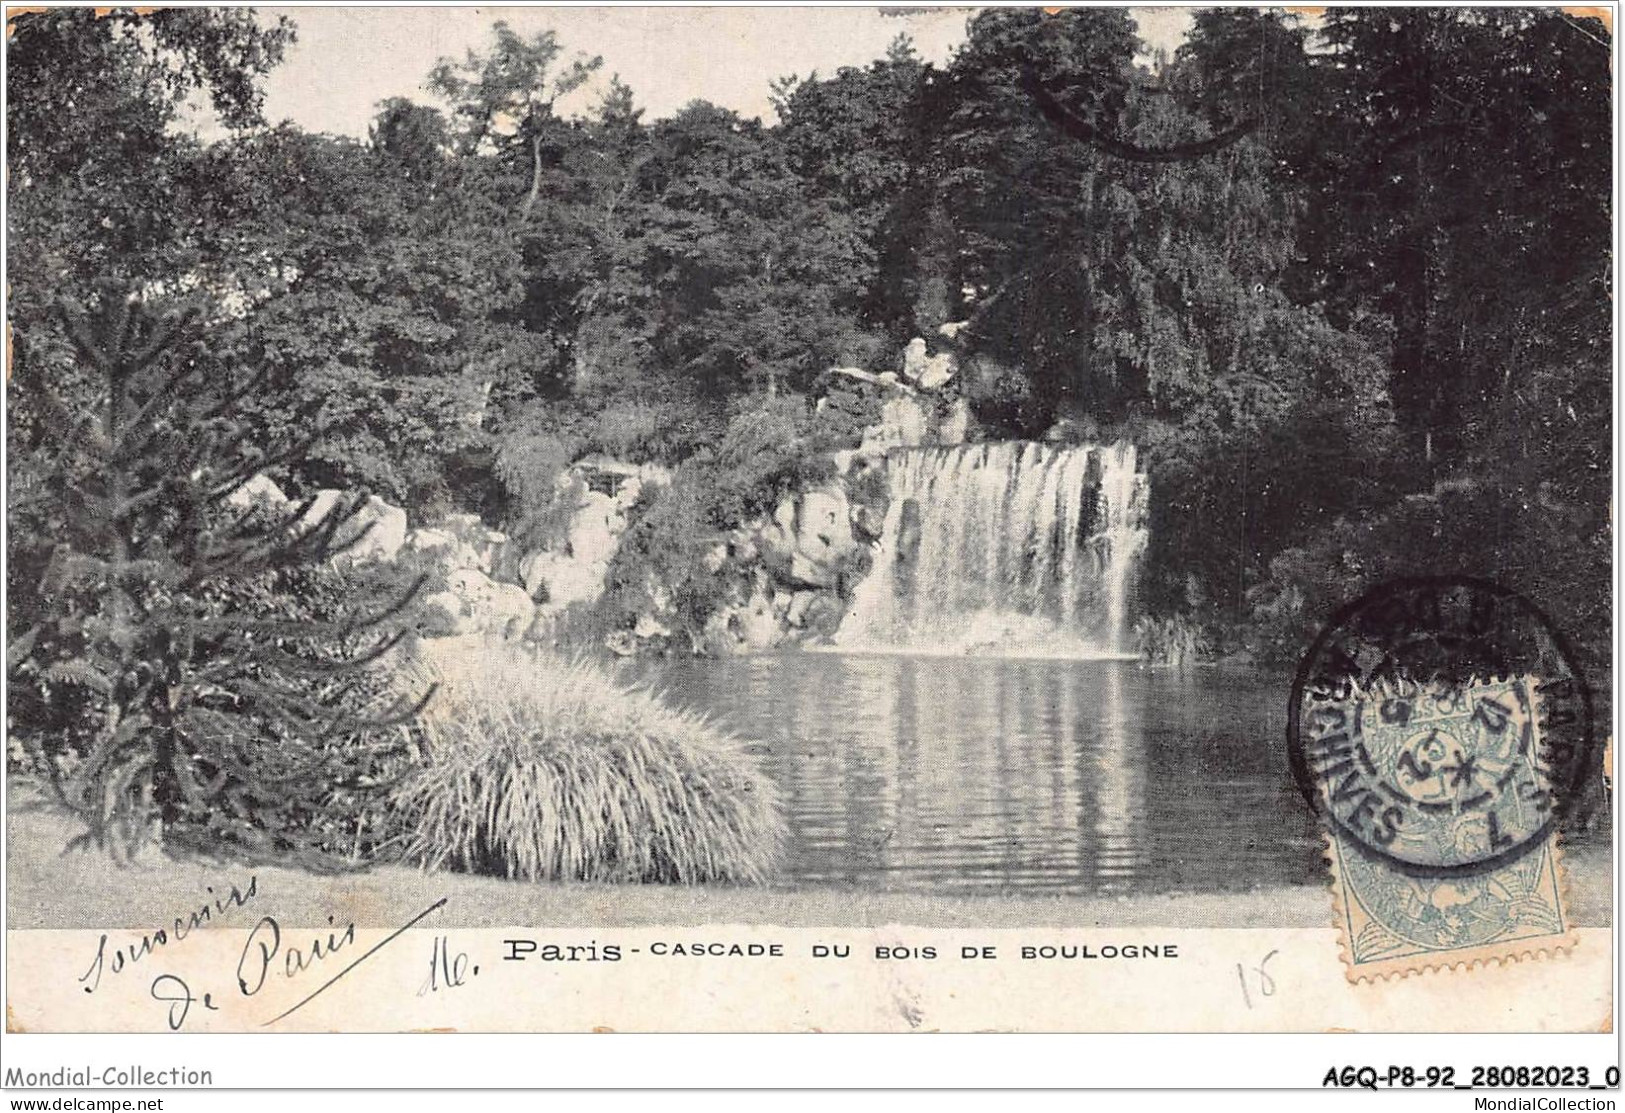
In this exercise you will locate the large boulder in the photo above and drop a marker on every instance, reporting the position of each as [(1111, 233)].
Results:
[(905, 422), (485, 606), (809, 538), (795, 612), (442, 614), (487, 545), (385, 527), (375, 532), (750, 622), (927, 372), (258, 491), (915, 360), (938, 370), (577, 569), (509, 610), (439, 551), (560, 580)]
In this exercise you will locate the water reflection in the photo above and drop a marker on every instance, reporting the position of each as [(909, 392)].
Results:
[(976, 775)]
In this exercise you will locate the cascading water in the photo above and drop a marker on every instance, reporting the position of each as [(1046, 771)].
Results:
[(1005, 547)]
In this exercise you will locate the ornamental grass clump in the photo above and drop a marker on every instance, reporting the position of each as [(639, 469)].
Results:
[(538, 769)]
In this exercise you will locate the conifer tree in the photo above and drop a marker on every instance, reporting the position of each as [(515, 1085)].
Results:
[(188, 663)]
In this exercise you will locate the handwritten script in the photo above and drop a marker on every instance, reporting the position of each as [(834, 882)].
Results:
[(269, 955)]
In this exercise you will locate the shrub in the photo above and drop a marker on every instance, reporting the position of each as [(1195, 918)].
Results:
[(669, 543), (539, 770), (530, 458), (998, 394), (1468, 525), (770, 449), (1175, 641), (843, 413), (645, 431)]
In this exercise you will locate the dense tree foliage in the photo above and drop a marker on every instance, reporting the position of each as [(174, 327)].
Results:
[(1346, 281), (95, 164)]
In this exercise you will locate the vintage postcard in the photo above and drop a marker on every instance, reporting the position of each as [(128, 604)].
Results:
[(848, 519)]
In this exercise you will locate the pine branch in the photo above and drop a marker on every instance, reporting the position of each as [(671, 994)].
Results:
[(286, 454), (394, 610), (126, 507), (404, 712), (231, 395), (75, 322), (164, 333), (80, 672), (163, 394), (20, 646)]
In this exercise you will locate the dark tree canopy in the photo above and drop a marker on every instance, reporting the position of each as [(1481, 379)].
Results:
[(1346, 281)]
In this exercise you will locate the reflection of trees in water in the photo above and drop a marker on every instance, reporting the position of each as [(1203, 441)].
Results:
[(840, 715), (984, 775), (977, 775), (1119, 791), (1007, 775)]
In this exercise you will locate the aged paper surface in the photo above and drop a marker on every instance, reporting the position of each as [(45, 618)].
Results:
[(803, 980), (1048, 522)]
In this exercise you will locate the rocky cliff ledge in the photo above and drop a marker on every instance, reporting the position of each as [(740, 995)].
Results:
[(788, 579), (784, 580)]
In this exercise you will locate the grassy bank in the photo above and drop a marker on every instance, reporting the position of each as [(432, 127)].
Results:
[(50, 889)]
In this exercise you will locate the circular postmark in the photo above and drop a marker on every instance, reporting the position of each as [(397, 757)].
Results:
[(1441, 724)]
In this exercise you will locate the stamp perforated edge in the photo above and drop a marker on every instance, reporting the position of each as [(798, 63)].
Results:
[(1465, 959), (1532, 948)]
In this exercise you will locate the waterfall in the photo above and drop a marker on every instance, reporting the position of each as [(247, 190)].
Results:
[(1005, 547)]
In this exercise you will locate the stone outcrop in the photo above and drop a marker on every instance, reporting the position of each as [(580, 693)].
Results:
[(375, 532), (575, 571), (472, 603), (468, 589), (787, 580), (928, 372), (784, 580), (787, 576), (439, 551), (809, 538), (905, 422), (488, 546), (385, 531)]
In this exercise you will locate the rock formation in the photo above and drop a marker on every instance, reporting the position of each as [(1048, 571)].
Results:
[(574, 571), (786, 579)]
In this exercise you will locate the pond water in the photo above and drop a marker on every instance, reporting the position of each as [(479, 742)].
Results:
[(976, 775)]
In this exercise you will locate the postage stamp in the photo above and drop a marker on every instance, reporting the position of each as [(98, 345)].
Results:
[(1440, 765), (1441, 780)]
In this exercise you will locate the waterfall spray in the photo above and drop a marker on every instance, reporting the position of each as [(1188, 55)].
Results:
[(1006, 547)]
